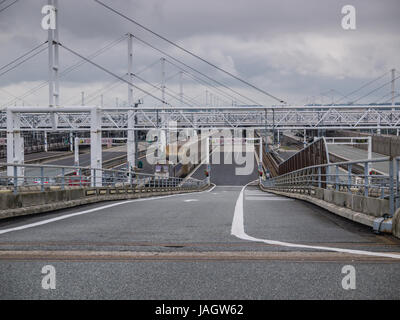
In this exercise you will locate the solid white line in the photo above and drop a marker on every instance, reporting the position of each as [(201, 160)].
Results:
[(238, 231), (40, 223)]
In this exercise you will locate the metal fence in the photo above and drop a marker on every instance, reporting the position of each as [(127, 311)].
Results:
[(28, 177), (355, 177)]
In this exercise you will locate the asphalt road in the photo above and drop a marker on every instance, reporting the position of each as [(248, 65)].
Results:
[(350, 153), (181, 247), (223, 174)]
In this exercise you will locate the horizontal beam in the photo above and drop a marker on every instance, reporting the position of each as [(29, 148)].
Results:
[(78, 118)]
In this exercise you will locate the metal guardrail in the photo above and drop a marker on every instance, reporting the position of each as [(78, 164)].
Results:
[(339, 176), (44, 176)]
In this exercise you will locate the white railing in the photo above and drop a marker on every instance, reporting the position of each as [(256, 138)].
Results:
[(43, 177)]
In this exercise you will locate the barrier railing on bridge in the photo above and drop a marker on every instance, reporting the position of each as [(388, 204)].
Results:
[(41, 177), (342, 176)]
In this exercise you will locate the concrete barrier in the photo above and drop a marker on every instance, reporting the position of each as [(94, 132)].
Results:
[(364, 210), (396, 224), (13, 205), (328, 195)]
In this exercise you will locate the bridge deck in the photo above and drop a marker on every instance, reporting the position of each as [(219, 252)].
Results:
[(181, 247), (349, 153)]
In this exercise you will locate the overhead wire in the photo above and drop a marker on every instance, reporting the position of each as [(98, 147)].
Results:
[(109, 72), (204, 82), (116, 83), (372, 91), (189, 52), (362, 87), (1, 10), (22, 62), (22, 56), (69, 69), (195, 70)]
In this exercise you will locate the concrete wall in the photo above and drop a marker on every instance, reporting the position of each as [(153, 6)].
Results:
[(371, 206), (351, 206), (12, 205)]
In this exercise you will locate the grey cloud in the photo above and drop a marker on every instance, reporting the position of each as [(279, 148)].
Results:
[(292, 48)]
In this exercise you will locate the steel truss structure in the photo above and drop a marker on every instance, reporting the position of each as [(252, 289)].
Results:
[(14, 120), (271, 118)]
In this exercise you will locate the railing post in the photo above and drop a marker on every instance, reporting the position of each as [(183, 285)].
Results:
[(131, 178), (366, 180), (80, 177), (349, 167), (397, 184), (327, 176), (15, 179), (42, 179), (337, 178), (63, 178), (94, 176), (391, 188)]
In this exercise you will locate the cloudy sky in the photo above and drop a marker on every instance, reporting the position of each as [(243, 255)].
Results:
[(295, 49)]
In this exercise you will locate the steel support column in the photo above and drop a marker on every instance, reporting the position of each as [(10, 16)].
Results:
[(95, 147), (131, 143), (15, 144)]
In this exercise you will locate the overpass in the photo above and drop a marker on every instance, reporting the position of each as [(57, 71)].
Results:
[(237, 239), (121, 232)]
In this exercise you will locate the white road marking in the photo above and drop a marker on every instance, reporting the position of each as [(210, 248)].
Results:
[(191, 200), (237, 230), (43, 222)]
